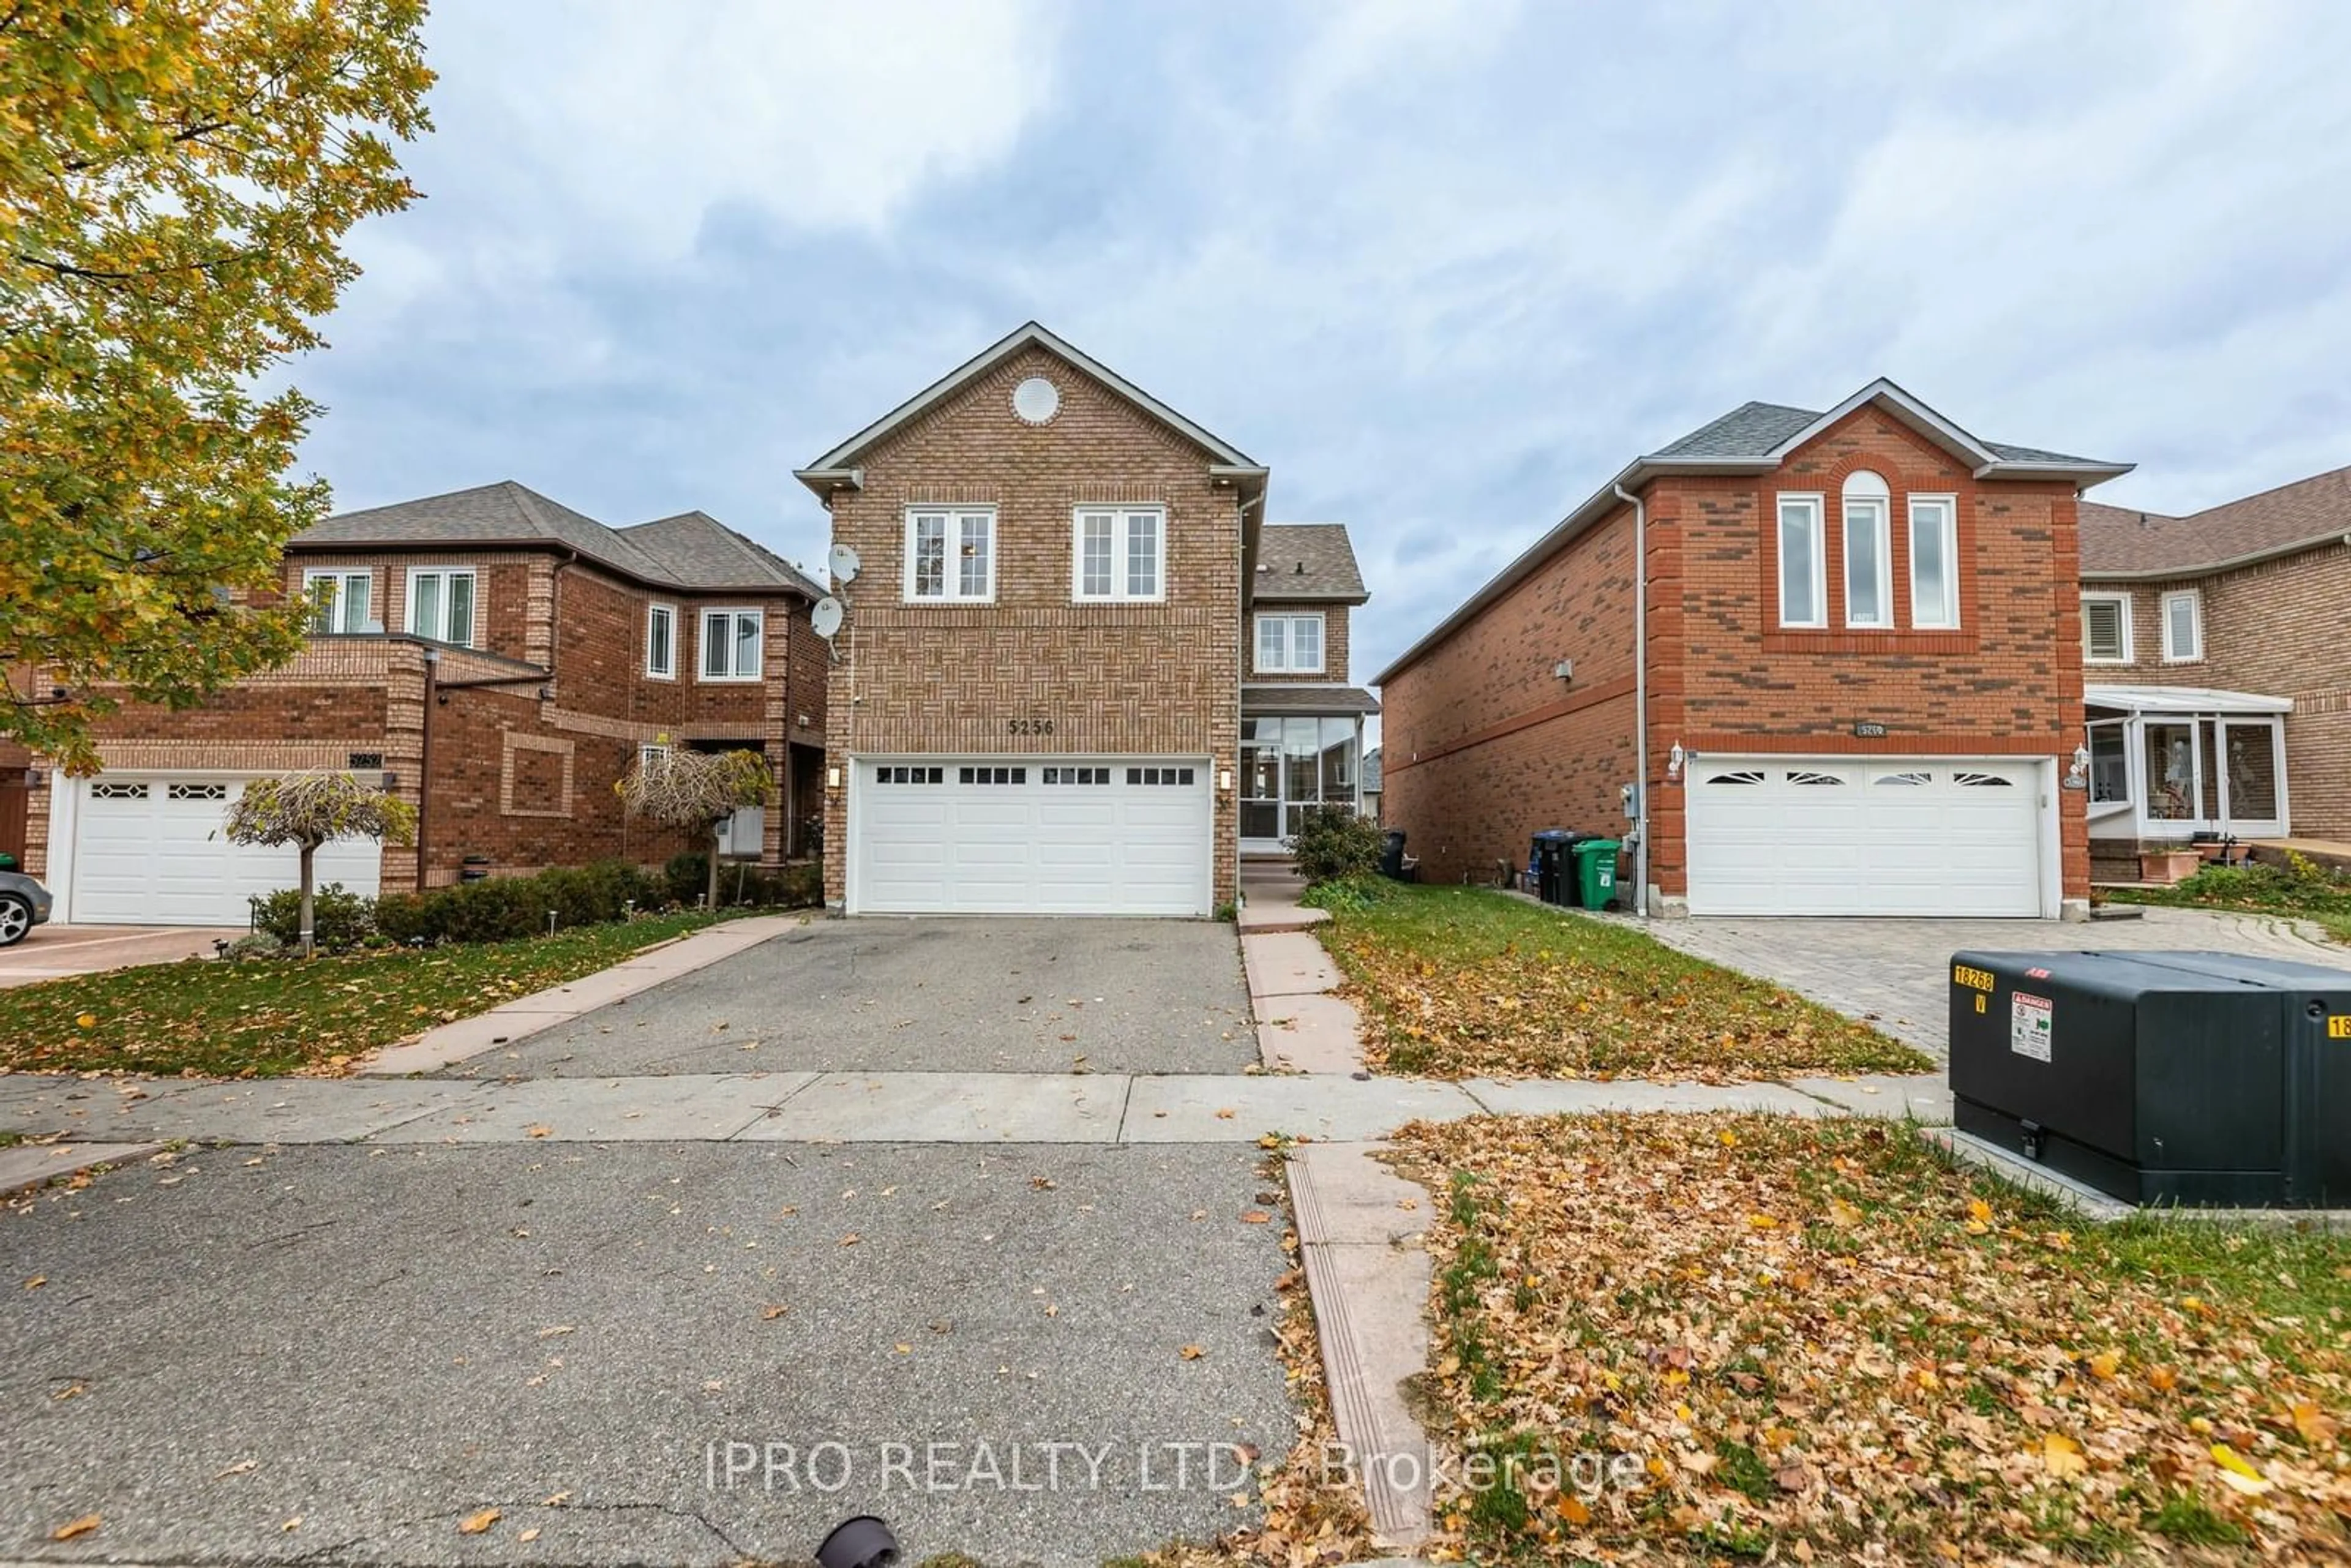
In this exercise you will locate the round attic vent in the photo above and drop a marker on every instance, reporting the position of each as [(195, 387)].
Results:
[(1036, 399)]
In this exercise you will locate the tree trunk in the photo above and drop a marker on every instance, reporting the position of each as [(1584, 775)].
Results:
[(306, 935), (710, 901)]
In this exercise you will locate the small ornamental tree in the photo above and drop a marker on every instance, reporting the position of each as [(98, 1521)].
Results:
[(307, 809), (695, 792)]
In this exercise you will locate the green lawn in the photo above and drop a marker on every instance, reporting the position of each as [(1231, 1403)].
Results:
[(1458, 982), (270, 1017), (1824, 1340), (2300, 889)]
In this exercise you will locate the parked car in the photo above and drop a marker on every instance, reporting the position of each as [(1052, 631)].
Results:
[(23, 903)]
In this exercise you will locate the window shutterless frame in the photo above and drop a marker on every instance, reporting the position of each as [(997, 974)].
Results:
[(661, 642), (950, 554), (731, 647), (2183, 626), (1290, 644), (1804, 564), (440, 604), (339, 600), (1118, 554), (1935, 562), (2106, 628), (1868, 553)]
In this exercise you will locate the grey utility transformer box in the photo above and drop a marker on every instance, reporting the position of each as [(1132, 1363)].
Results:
[(2203, 1079)]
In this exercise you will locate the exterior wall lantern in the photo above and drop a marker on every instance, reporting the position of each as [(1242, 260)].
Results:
[(833, 778), (2077, 776), (1674, 760)]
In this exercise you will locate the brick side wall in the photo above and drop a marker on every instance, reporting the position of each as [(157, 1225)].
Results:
[(1159, 679), (2275, 628), (1724, 678), (1335, 655)]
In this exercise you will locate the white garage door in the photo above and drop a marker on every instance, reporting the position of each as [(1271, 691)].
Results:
[(1053, 836), (148, 850), (1779, 835)]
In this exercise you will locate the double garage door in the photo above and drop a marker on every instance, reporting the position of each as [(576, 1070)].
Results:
[(149, 850), (1781, 835), (1031, 836)]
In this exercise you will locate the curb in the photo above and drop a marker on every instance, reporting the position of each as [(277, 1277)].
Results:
[(28, 1166)]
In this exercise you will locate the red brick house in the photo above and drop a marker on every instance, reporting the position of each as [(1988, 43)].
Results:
[(1067, 629), (1842, 650), (2219, 679), (496, 658)]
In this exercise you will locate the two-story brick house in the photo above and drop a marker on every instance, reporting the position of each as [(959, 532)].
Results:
[(495, 658), (2218, 676), (1841, 649), (1038, 695), (1301, 723)]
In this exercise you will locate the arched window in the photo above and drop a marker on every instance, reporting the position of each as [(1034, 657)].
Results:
[(1869, 552)]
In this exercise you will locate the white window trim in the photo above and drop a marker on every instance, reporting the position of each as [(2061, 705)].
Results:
[(1289, 665), (2172, 656), (1950, 530), (407, 608), (652, 609), (701, 645), (1883, 508), (2123, 599), (1118, 516), (343, 578), (951, 576), (1815, 506)]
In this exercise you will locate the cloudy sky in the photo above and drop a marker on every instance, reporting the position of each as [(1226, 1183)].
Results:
[(1445, 267)]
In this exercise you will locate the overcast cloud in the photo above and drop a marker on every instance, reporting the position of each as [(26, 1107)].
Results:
[(1444, 266)]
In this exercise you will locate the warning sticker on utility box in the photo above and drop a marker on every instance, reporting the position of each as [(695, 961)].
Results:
[(2028, 1026)]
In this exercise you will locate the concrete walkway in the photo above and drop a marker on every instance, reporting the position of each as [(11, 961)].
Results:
[(55, 952)]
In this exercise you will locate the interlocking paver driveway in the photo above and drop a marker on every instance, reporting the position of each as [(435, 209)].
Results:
[(1895, 973)]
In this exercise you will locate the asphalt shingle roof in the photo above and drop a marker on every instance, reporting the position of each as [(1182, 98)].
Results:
[(1750, 430), (1298, 699), (1306, 561), (691, 551), (2122, 540)]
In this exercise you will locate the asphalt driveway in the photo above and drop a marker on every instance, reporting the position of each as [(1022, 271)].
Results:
[(1896, 973), (959, 996)]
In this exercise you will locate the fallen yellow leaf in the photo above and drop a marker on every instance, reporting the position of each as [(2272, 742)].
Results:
[(537, 1131), (530, 1535), (82, 1526), (474, 1524), (2237, 1473), (1255, 1216), (2106, 1362), (1842, 1214), (2317, 1427), (2063, 1456), (1191, 1353)]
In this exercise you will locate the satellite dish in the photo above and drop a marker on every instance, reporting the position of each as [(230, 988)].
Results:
[(844, 564), (825, 619)]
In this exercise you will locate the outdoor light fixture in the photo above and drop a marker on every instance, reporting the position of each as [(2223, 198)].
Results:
[(1674, 760), (833, 778), (1225, 779), (2080, 771)]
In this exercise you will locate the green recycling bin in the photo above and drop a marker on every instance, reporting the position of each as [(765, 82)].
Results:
[(1596, 872)]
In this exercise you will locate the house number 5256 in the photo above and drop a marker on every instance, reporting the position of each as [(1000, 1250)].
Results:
[(1030, 726)]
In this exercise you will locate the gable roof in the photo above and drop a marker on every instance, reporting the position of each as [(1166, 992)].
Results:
[(1755, 438), (1308, 560), (2119, 542), (687, 553), (836, 466)]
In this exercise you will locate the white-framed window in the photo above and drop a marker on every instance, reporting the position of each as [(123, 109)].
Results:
[(1119, 553), (731, 644), (440, 604), (2106, 628), (339, 600), (1290, 644), (1869, 552), (950, 554), (2183, 627), (1804, 566), (1935, 562), (661, 642)]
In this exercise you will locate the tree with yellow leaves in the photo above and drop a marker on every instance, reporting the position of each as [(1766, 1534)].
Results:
[(176, 179)]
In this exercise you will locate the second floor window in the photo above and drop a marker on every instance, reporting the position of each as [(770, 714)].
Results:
[(950, 554), (1803, 570), (440, 604), (2106, 628), (1290, 644), (1933, 562), (661, 642), (2183, 627), (339, 600), (1118, 554), (730, 644), (1868, 553)]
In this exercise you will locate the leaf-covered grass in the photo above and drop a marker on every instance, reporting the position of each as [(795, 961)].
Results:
[(1465, 981), (2301, 888), (267, 1017), (1823, 1339)]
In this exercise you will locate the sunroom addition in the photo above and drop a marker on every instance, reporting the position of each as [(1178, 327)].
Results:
[(2176, 763)]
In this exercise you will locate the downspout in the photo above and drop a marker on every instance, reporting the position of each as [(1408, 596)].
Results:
[(425, 764), (1640, 695)]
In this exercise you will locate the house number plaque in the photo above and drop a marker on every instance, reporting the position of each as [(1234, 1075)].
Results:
[(1028, 726)]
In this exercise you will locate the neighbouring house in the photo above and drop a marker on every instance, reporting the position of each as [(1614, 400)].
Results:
[(1853, 637), (1066, 632), (2218, 671), (491, 656), (1371, 784)]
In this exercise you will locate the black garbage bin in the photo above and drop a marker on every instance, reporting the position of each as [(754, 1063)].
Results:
[(1392, 855), (1550, 869)]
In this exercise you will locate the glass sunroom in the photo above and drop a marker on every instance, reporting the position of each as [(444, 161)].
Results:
[(1292, 761), (2172, 763)]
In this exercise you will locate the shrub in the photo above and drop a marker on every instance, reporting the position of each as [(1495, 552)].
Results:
[(686, 877), (254, 945), (341, 919), (1349, 895), (1334, 842), (501, 909)]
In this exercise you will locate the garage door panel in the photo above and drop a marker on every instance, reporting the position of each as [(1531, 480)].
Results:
[(152, 851), (1899, 837), (1093, 844)]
